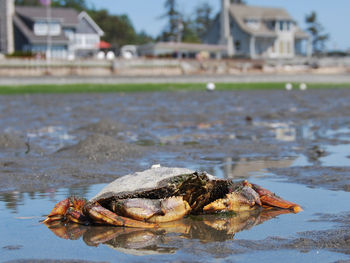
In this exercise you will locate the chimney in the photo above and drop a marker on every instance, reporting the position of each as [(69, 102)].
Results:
[(7, 10), (225, 32)]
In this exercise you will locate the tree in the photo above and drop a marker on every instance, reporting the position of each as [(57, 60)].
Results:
[(238, 2), (118, 30), (203, 18), (143, 38), (316, 30), (189, 32), (76, 4), (174, 26), (27, 2)]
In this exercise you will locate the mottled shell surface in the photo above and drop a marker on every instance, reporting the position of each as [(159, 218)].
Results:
[(141, 181)]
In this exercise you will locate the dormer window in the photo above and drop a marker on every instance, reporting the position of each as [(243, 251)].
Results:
[(44, 28), (285, 25), (253, 23)]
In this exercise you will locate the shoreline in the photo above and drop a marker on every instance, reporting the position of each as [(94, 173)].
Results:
[(241, 78)]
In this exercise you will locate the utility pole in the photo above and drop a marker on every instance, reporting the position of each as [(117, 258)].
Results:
[(7, 10), (49, 40), (180, 28)]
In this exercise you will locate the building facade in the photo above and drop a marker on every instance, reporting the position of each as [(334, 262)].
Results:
[(51, 32), (257, 32)]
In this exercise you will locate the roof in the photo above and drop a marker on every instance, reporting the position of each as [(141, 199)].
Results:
[(186, 46), (241, 13), (85, 15), (34, 39), (264, 13), (67, 16)]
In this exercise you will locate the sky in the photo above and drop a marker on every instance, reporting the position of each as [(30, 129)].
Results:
[(145, 14)]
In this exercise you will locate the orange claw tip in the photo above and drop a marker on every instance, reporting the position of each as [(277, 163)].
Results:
[(297, 209)]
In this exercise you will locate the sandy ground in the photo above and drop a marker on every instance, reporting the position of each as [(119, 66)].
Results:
[(50, 141), (58, 140)]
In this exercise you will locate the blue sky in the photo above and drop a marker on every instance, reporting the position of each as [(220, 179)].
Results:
[(333, 15)]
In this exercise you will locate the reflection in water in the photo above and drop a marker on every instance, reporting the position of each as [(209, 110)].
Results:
[(14, 199), (245, 167), (206, 228), (238, 168)]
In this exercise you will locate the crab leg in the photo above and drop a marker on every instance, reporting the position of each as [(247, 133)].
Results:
[(105, 216), (69, 208), (59, 211), (270, 199)]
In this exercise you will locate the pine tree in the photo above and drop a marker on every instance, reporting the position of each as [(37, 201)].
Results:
[(316, 30), (203, 18), (174, 17), (238, 2)]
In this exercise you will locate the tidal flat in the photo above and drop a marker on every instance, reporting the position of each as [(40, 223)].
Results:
[(295, 143)]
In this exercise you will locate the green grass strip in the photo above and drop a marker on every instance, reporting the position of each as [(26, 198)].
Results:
[(151, 87)]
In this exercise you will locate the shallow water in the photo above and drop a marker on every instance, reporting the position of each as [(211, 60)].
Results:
[(23, 237), (294, 144)]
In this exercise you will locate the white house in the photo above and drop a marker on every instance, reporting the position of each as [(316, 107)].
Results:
[(57, 32), (257, 32)]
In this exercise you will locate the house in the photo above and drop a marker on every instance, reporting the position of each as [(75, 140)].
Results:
[(257, 32), (54, 32)]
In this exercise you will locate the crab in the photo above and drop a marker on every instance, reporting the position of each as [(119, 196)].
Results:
[(158, 195)]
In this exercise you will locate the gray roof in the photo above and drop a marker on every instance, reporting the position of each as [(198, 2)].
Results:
[(33, 39), (67, 16), (264, 13), (241, 12), (186, 46)]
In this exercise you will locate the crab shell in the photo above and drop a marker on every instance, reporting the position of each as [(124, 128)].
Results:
[(197, 188), (133, 185)]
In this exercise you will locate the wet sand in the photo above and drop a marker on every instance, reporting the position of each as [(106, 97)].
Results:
[(58, 140)]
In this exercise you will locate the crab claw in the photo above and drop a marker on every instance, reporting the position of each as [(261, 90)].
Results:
[(70, 208), (243, 200), (59, 211), (270, 199), (173, 208)]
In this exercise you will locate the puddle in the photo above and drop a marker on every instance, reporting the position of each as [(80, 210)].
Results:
[(338, 155), (51, 138)]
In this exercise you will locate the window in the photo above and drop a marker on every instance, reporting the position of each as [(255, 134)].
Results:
[(281, 25), (253, 23), (40, 28), (43, 28), (69, 33), (237, 45), (91, 40), (79, 40)]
